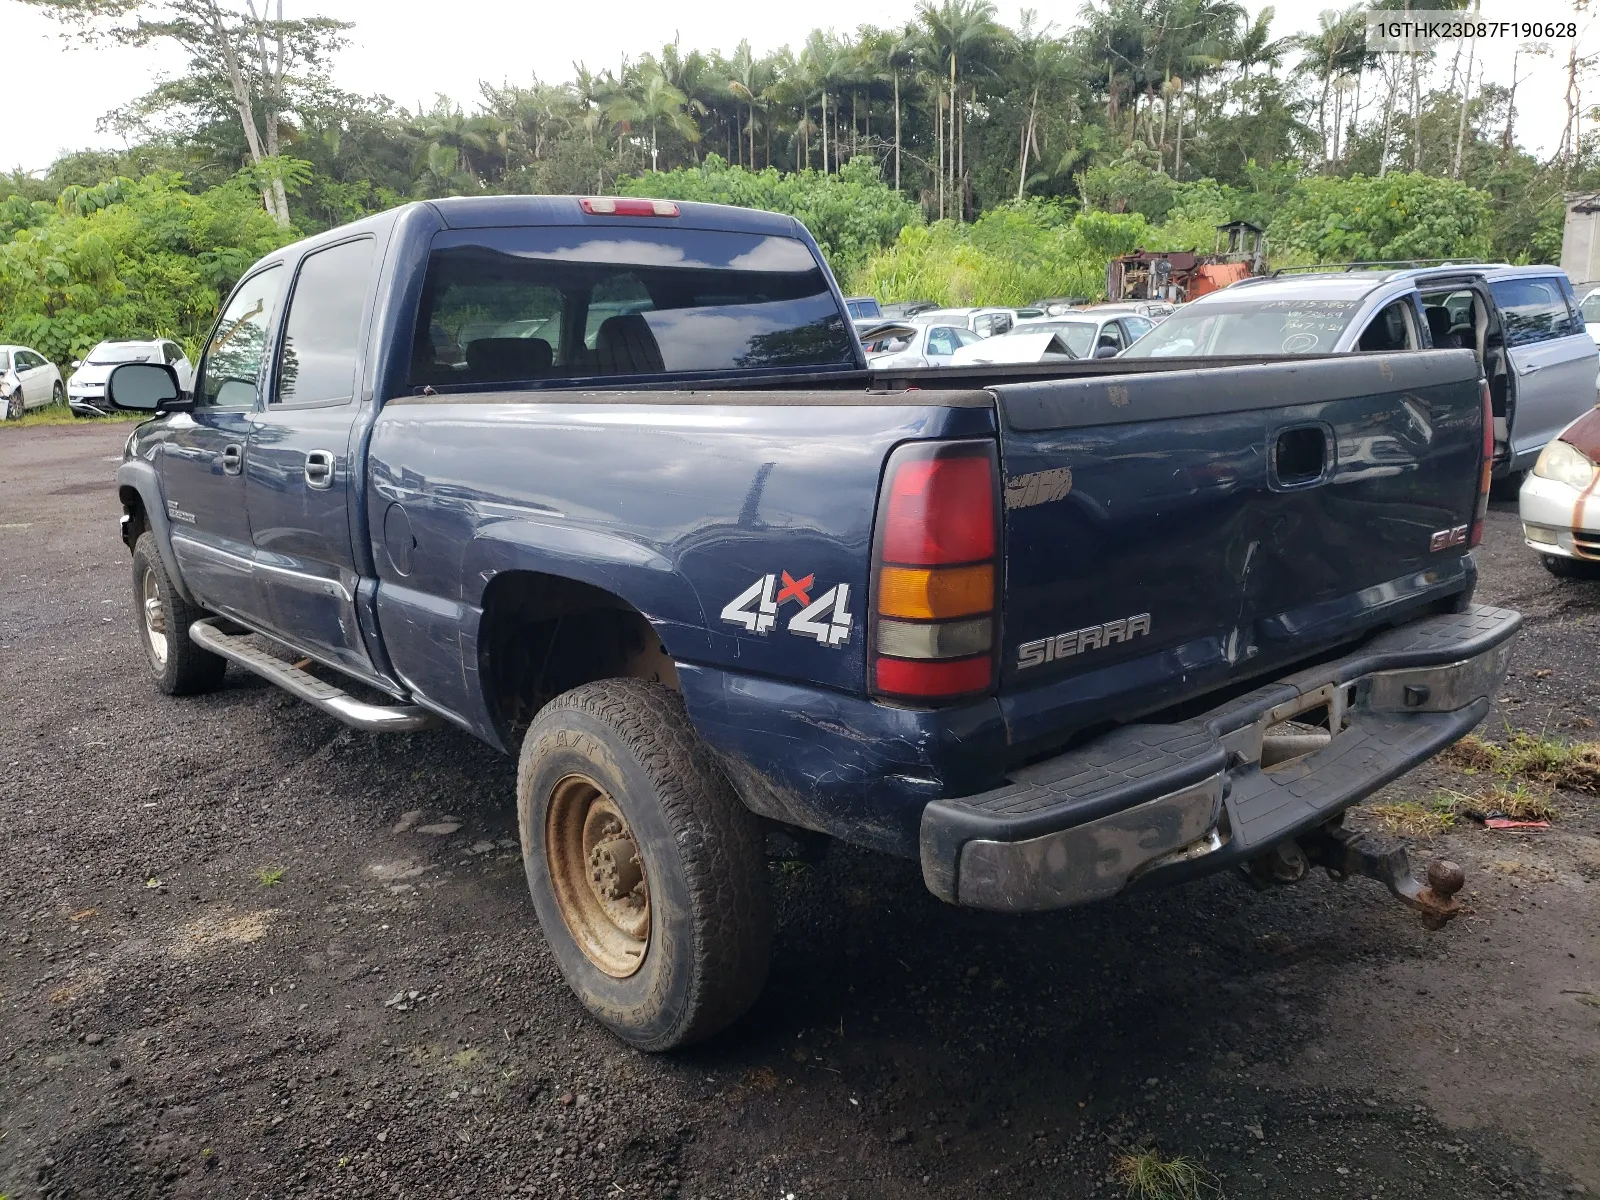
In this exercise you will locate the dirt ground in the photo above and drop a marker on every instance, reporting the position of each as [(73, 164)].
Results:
[(247, 952)]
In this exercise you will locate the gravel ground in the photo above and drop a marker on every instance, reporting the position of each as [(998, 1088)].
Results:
[(247, 952)]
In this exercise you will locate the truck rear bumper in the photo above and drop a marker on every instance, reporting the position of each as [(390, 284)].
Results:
[(1150, 805)]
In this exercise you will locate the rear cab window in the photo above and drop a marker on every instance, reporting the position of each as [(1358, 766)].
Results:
[(559, 303)]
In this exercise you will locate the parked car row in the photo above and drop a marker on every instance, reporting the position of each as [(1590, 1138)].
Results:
[(1535, 342), (28, 380)]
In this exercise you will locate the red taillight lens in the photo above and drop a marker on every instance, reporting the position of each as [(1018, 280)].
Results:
[(1485, 470), (935, 621), (941, 511), (627, 206), (909, 677)]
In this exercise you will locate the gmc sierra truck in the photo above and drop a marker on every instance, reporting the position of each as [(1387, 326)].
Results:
[(607, 483)]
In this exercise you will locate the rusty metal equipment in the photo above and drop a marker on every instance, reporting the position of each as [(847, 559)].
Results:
[(1181, 275), (1343, 853)]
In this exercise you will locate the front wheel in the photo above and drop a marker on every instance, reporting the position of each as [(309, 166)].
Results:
[(648, 874), (15, 406), (58, 394), (1571, 568), (162, 618)]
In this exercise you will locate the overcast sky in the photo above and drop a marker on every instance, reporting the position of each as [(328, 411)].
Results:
[(55, 91)]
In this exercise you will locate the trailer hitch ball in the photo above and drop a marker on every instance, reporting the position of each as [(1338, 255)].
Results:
[(1344, 853), (1437, 902)]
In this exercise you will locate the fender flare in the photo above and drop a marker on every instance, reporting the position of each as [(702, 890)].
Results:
[(630, 570), (142, 478)]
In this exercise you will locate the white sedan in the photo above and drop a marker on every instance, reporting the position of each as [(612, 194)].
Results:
[(914, 343), (86, 386), (1560, 501), (27, 380)]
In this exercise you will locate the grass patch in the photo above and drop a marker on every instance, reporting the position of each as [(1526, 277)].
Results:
[(1552, 761), (1539, 758), (1519, 802), (60, 414), (1148, 1176), (1472, 753), (270, 876), (1414, 819)]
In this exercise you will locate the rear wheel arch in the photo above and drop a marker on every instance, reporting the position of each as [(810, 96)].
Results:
[(543, 634)]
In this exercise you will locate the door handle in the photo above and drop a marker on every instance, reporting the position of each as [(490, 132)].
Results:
[(1532, 369), (319, 469), (232, 458)]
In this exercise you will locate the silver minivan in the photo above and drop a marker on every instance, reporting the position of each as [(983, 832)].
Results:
[(1523, 324), (1528, 332)]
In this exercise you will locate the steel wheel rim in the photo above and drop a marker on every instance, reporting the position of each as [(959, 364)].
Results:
[(154, 616), (598, 876)]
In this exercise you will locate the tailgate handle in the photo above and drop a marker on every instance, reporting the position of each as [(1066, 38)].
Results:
[(1300, 456)]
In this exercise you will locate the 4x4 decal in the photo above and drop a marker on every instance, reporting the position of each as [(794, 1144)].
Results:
[(827, 618)]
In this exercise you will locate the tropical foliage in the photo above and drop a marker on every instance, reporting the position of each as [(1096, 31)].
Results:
[(953, 157)]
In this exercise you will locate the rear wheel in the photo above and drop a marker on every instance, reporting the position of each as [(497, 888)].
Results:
[(162, 618), (58, 394), (1571, 568), (648, 874)]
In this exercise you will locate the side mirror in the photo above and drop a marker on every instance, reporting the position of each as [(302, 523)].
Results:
[(76, 363), (1105, 352), (144, 387)]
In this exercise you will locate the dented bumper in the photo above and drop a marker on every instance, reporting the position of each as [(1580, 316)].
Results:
[(1150, 805)]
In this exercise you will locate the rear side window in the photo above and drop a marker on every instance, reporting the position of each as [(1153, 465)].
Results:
[(321, 337), (1532, 310), (1390, 330), (528, 304)]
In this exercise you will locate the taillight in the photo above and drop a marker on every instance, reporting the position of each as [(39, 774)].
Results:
[(1485, 471), (626, 206), (935, 578)]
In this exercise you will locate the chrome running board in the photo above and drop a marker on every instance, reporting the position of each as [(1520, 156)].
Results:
[(375, 718)]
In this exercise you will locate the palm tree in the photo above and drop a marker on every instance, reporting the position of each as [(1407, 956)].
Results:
[(651, 98), (1335, 48), (1039, 62), (1256, 47), (960, 32), (745, 86), (447, 138), (892, 55), (828, 65)]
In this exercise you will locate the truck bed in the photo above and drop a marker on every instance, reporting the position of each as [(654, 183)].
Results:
[(1153, 495)]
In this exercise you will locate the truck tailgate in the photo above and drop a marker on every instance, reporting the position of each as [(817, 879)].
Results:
[(1167, 534)]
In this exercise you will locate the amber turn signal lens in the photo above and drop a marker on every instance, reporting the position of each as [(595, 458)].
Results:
[(933, 593)]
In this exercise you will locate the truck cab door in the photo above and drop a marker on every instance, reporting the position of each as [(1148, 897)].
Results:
[(1552, 360), (300, 461), (202, 461)]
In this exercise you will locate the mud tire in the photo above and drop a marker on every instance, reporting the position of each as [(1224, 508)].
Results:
[(1570, 568), (186, 669), (702, 851)]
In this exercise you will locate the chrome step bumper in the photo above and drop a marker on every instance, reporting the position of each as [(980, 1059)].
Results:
[(1148, 805), (375, 718)]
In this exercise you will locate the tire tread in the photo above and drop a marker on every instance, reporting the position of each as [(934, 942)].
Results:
[(720, 844)]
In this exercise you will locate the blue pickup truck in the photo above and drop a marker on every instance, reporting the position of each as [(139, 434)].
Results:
[(607, 483)]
